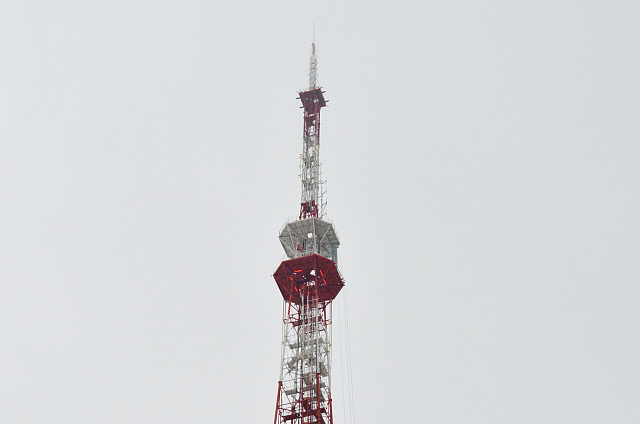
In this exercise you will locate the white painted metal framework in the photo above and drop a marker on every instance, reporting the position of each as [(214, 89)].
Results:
[(313, 68), (305, 376)]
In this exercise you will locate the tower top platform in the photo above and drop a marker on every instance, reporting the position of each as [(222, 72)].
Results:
[(312, 97)]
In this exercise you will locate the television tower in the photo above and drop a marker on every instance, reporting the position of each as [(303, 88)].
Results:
[(308, 281)]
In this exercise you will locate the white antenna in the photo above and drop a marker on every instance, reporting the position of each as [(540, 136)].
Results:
[(313, 63)]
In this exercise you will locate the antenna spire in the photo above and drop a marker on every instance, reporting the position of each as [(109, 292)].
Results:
[(313, 65)]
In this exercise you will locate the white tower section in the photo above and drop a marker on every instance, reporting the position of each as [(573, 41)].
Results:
[(313, 68)]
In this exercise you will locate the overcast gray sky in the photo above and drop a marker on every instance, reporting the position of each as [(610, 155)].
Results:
[(482, 160)]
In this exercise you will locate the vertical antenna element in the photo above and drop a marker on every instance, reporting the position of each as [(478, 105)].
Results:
[(311, 202), (313, 67)]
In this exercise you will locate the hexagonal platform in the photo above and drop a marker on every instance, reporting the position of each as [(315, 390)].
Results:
[(311, 270)]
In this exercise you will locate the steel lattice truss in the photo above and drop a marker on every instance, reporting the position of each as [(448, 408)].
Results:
[(305, 383), (308, 281), (311, 201), (308, 285)]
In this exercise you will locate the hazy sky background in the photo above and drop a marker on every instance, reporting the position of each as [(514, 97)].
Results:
[(483, 167)]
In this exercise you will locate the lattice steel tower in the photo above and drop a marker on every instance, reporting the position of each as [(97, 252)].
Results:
[(309, 281)]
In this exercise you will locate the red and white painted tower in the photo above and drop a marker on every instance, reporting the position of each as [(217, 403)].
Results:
[(309, 281)]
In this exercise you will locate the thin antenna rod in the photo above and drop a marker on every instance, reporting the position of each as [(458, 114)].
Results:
[(313, 65)]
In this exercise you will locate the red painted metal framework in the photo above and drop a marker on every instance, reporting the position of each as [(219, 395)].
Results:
[(313, 274)]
